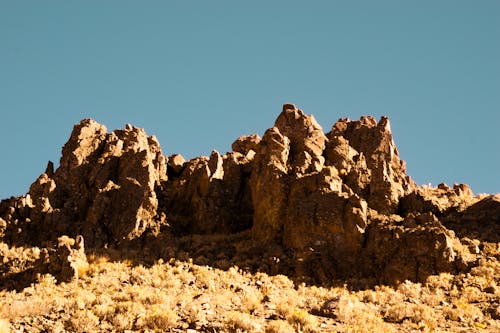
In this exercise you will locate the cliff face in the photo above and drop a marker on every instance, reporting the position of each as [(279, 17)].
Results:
[(340, 203)]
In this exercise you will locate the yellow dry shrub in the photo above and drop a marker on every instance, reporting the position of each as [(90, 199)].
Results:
[(24, 308), (279, 326), (161, 318), (463, 311), (4, 326), (302, 320), (83, 321), (360, 317), (242, 322), (420, 314), (251, 300)]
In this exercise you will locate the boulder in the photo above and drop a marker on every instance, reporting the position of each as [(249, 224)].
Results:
[(245, 144), (480, 220), (440, 200), (68, 260), (176, 163)]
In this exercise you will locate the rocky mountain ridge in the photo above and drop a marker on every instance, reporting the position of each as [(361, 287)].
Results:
[(331, 205)]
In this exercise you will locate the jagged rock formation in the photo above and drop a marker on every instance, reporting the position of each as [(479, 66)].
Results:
[(104, 189), (68, 260), (341, 203)]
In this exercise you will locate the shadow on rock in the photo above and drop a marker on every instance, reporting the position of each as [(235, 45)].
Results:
[(320, 208), (479, 221)]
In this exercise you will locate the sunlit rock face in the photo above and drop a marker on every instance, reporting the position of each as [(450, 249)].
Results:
[(103, 189), (340, 203)]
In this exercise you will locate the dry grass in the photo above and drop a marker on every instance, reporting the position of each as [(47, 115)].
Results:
[(4, 326), (175, 296)]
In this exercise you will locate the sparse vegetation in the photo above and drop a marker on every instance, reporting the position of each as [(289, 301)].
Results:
[(177, 295), (300, 231)]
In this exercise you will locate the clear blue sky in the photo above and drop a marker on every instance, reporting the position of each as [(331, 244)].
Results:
[(197, 74)]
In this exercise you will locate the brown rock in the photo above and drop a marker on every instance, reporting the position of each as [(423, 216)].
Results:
[(395, 253), (268, 184), (440, 200), (307, 140), (211, 195), (300, 203), (3, 227), (478, 221), (103, 189), (339, 205), (176, 163), (244, 144), (68, 261), (387, 173)]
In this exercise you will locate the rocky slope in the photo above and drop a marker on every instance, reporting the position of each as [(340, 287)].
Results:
[(316, 206)]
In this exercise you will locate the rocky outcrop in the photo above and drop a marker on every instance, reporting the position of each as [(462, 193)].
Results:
[(480, 220), (104, 189), (372, 167), (245, 144), (339, 204), (299, 201), (419, 246), (441, 200), (68, 260), (210, 195)]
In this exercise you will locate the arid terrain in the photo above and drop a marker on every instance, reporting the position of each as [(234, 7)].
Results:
[(295, 231)]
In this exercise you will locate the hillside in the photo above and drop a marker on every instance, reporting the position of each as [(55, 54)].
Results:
[(297, 230)]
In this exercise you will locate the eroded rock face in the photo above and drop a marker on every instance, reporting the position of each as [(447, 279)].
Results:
[(103, 189), (440, 200), (375, 170), (341, 203), (244, 144), (480, 220), (419, 246), (318, 194), (210, 195)]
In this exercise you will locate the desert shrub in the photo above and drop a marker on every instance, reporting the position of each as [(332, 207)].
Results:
[(161, 318), (463, 311), (302, 321), (23, 308), (242, 322), (4, 326), (420, 315), (279, 326), (83, 321), (251, 301)]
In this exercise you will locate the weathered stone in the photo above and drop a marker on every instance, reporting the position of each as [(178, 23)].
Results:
[(68, 261), (307, 140), (387, 173), (340, 204), (176, 163), (268, 184), (211, 195), (480, 220), (395, 252), (440, 200), (244, 144), (3, 227), (103, 189)]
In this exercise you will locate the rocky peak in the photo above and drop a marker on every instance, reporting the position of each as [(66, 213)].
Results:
[(306, 137), (371, 161), (103, 189), (340, 203)]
